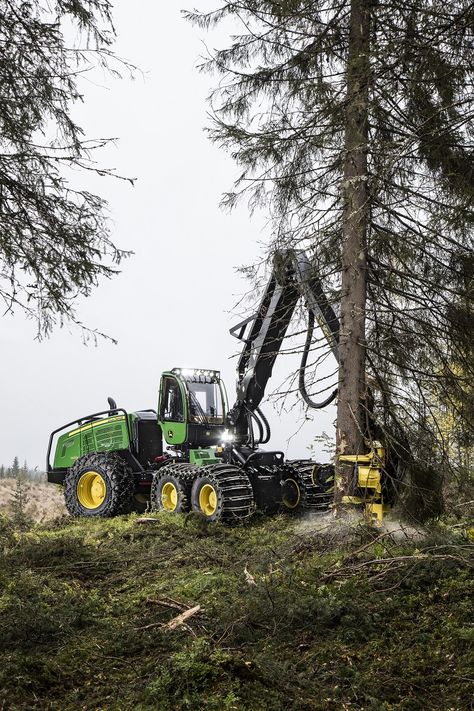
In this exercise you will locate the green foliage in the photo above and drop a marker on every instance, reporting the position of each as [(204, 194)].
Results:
[(303, 616), (19, 502), (15, 469), (37, 610), (54, 242), (181, 681), (7, 533)]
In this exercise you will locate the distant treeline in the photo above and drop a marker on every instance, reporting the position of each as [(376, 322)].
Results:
[(15, 471)]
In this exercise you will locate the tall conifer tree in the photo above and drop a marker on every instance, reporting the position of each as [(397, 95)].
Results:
[(15, 469), (352, 122)]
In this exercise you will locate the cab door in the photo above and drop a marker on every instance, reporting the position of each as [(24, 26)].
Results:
[(172, 409)]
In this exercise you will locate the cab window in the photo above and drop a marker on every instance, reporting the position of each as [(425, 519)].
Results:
[(205, 402), (172, 403)]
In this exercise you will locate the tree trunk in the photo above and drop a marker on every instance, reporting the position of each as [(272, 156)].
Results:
[(352, 390)]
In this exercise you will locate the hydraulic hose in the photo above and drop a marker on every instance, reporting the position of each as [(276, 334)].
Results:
[(251, 437), (304, 360), (268, 431), (252, 416)]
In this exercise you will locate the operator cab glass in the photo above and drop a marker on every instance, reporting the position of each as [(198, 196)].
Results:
[(205, 402), (206, 396), (172, 403)]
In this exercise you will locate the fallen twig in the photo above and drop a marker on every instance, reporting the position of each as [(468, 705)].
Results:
[(388, 564), (250, 580), (179, 619), (364, 547), (175, 621), (147, 519)]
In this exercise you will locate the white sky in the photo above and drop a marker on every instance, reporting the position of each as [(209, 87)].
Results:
[(170, 305)]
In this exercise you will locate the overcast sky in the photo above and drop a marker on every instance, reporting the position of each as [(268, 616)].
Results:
[(171, 304)]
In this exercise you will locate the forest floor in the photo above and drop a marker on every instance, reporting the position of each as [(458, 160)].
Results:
[(285, 614)]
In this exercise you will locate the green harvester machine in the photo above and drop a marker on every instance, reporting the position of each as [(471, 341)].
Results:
[(196, 454)]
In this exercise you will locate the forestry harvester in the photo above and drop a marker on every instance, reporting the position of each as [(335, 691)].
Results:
[(114, 462)]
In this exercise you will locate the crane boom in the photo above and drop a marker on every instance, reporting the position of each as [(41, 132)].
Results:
[(293, 277)]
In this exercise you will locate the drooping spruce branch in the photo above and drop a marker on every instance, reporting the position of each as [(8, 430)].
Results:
[(54, 235)]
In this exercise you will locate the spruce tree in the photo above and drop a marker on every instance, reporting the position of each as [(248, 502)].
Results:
[(54, 235), (352, 124), (20, 499), (15, 468)]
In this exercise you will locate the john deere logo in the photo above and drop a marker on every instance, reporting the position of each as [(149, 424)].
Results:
[(170, 433)]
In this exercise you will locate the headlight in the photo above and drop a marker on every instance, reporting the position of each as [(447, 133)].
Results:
[(188, 372), (227, 436)]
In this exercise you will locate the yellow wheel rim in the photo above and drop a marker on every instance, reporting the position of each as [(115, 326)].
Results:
[(208, 500), (169, 496), (291, 494), (91, 490)]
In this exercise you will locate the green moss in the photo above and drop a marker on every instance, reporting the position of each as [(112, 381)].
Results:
[(290, 619)]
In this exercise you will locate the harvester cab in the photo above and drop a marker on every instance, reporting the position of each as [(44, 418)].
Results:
[(192, 407)]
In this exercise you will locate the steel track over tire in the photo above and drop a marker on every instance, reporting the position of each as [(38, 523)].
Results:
[(99, 485), (317, 482), (294, 493), (223, 492), (171, 487)]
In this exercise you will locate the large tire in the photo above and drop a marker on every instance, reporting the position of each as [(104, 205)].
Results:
[(171, 487), (313, 480), (99, 485), (223, 492), (294, 493)]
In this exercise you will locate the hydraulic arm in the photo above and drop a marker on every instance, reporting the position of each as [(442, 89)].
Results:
[(293, 277)]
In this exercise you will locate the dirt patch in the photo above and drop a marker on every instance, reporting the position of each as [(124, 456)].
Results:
[(45, 501)]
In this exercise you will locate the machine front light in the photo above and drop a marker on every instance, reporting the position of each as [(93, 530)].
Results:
[(227, 436), (197, 373)]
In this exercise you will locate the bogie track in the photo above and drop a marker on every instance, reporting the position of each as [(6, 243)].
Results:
[(171, 487), (222, 492), (317, 482)]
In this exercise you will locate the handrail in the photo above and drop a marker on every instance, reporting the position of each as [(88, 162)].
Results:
[(83, 421)]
